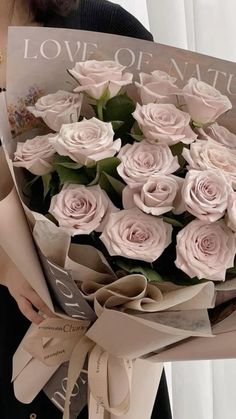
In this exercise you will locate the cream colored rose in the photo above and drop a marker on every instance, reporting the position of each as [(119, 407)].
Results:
[(80, 209), (87, 141), (158, 195), (219, 134), (134, 235), (164, 124), (140, 161), (36, 155), (57, 109), (157, 87), (205, 250), (231, 212), (206, 194), (97, 77), (205, 103), (204, 155)]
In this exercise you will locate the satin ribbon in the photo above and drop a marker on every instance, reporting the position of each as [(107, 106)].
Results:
[(60, 340)]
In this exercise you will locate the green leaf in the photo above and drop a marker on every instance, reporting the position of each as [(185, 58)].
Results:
[(66, 161), (136, 129), (188, 281), (177, 150), (197, 124), (105, 97), (130, 267), (32, 182), (117, 124), (46, 179), (173, 222), (137, 137), (119, 108), (116, 184), (71, 176), (107, 165)]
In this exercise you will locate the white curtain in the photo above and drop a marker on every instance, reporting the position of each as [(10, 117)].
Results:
[(207, 26), (198, 389)]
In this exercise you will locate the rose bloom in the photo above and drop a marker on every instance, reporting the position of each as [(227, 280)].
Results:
[(206, 193), (98, 77), (206, 250), (80, 209), (164, 124), (157, 87), (205, 103), (231, 212), (35, 155), (219, 134), (57, 109), (141, 160), (158, 195), (204, 155), (134, 235), (87, 141)]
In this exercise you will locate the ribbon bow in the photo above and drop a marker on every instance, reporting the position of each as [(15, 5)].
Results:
[(59, 340)]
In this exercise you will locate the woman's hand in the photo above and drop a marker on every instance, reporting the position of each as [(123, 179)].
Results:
[(26, 297)]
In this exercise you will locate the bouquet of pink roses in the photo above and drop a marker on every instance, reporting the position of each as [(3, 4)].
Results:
[(129, 190), (151, 184)]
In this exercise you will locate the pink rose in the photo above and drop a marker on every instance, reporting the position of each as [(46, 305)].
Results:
[(35, 155), (57, 109), (219, 134), (80, 209), (157, 87), (231, 212), (139, 161), (204, 155), (158, 195), (205, 103), (87, 141), (206, 250), (97, 77), (164, 124), (134, 235), (206, 193)]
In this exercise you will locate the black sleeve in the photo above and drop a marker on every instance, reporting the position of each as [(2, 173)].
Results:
[(124, 23), (101, 16)]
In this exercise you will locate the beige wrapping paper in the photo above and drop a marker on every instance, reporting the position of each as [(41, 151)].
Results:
[(15, 236), (222, 346), (16, 240), (135, 336)]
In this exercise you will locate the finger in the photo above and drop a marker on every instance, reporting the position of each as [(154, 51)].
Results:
[(27, 310), (37, 302)]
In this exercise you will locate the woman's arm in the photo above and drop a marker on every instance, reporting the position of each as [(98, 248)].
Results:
[(101, 16), (124, 23)]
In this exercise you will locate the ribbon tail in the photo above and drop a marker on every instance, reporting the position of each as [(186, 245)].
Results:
[(96, 410), (98, 382), (76, 364)]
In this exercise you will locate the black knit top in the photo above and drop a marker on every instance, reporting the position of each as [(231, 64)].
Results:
[(101, 16)]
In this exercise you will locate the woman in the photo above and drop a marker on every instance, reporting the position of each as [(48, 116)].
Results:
[(95, 15)]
